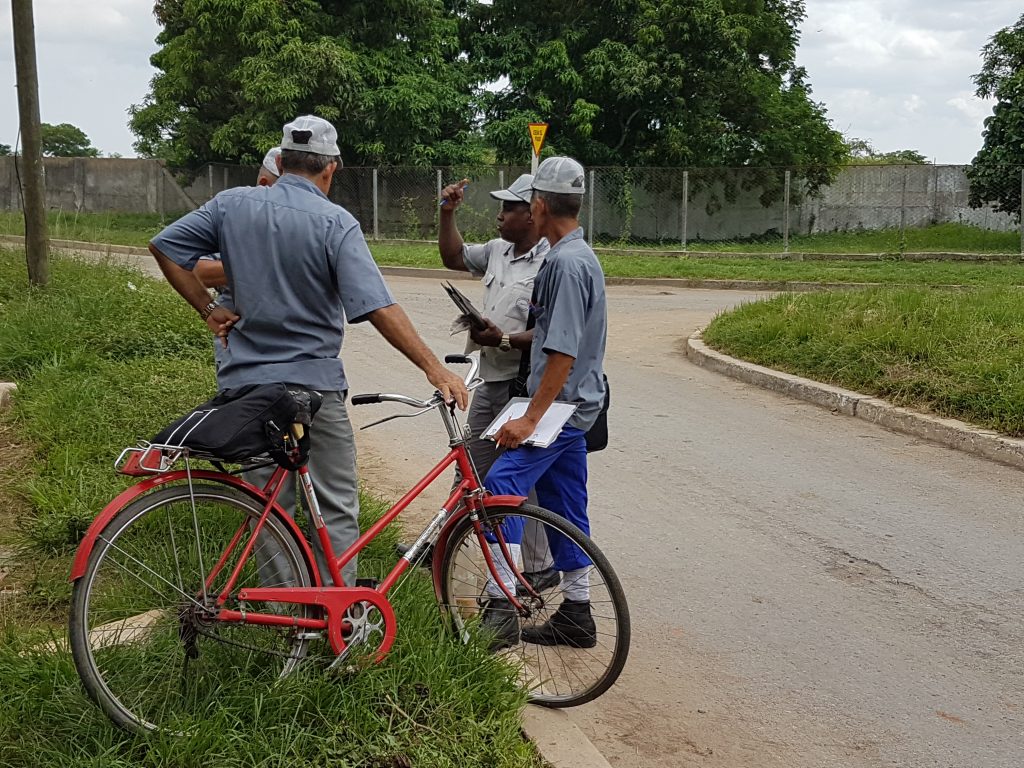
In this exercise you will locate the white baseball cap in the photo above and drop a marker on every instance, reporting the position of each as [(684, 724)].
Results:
[(310, 133), (561, 175), (270, 160), (519, 191)]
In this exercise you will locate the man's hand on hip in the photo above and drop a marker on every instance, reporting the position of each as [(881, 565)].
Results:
[(221, 321)]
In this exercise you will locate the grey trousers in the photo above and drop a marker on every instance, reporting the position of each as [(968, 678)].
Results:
[(332, 467), (488, 400)]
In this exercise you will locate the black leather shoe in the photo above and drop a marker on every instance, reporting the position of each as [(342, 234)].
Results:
[(499, 617), (426, 561), (541, 581), (570, 625)]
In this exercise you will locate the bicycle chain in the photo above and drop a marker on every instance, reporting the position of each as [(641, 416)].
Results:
[(214, 636)]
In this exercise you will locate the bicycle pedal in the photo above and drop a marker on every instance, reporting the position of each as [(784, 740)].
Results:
[(308, 635), (369, 583)]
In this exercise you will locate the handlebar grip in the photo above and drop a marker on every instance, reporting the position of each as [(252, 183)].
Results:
[(457, 359), (366, 399)]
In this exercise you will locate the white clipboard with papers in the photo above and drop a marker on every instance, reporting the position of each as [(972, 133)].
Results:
[(548, 428)]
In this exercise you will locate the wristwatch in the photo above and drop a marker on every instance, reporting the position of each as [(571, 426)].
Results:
[(205, 311), (505, 344)]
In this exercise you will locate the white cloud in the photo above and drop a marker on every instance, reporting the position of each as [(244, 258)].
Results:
[(93, 63), (898, 72)]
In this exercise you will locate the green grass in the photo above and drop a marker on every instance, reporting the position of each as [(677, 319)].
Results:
[(104, 357), (937, 238), (955, 353), (138, 228), (889, 271), (117, 228)]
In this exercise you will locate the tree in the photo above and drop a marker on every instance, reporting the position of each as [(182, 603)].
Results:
[(65, 140), (995, 172), (653, 82), (388, 73), (5, 149), (863, 153)]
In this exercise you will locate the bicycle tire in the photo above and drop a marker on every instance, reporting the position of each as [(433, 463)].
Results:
[(146, 655), (462, 577)]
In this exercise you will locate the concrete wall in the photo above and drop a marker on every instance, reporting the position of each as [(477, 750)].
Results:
[(98, 185)]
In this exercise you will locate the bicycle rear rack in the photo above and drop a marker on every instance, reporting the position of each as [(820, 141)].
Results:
[(156, 458)]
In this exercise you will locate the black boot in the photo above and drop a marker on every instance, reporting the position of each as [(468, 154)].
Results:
[(499, 617), (570, 625), (541, 581)]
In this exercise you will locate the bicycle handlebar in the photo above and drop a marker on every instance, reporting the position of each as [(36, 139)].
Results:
[(434, 400)]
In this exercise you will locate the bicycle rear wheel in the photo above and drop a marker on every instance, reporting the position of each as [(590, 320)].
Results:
[(144, 633), (555, 675)]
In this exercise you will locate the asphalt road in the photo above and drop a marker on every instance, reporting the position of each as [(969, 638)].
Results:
[(806, 590)]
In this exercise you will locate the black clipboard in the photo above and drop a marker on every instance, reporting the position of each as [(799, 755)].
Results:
[(465, 306)]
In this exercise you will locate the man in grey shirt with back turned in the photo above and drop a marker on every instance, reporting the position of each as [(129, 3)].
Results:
[(298, 268)]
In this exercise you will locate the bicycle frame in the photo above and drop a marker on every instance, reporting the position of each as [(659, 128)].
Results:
[(468, 497)]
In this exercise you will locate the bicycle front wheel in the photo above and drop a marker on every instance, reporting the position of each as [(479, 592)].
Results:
[(573, 640), (144, 631)]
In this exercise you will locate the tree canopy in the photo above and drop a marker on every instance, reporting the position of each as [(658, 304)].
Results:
[(653, 82), (5, 149), (388, 73), (630, 82), (65, 140), (995, 172), (862, 152)]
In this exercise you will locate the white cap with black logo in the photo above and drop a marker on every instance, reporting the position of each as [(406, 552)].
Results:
[(310, 133), (561, 175)]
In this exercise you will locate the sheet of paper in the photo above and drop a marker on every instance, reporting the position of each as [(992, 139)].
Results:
[(548, 428)]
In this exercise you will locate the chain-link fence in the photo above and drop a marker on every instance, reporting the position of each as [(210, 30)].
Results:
[(895, 209), (863, 210)]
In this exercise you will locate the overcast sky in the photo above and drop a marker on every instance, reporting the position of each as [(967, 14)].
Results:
[(894, 72)]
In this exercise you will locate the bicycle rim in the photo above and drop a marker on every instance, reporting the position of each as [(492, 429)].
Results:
[(146, 641), (556, 675)]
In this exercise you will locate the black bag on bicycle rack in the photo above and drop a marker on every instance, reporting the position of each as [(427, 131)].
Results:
[(249, 421)]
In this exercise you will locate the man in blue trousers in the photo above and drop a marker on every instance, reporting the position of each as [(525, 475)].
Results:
[(566, 364)]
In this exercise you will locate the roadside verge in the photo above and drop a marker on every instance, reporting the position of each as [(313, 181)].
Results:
[(951, 433)]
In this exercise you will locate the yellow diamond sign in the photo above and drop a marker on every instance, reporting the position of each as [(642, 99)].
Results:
[(537, 133)]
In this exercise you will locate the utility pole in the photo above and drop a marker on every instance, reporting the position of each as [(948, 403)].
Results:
[(37, 240)]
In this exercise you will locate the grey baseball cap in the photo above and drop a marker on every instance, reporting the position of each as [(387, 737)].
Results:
[(561, 175), (270, 161), (519, 191), (310, 133)]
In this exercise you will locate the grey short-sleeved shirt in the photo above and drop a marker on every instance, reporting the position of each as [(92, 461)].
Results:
[(297, 267), (508, 285), (572, 318)]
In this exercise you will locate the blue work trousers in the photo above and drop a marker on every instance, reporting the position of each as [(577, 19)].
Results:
[(558, 473)]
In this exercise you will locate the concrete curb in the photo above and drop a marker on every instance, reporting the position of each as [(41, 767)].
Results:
[(951, 433), (6, 390), (559, 740)]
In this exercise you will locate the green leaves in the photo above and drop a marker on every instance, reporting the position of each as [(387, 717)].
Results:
[(995, 172), (65, 140), (640, 82), (389, 74)]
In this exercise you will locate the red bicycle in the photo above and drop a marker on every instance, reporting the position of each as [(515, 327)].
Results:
[(192, 577)]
